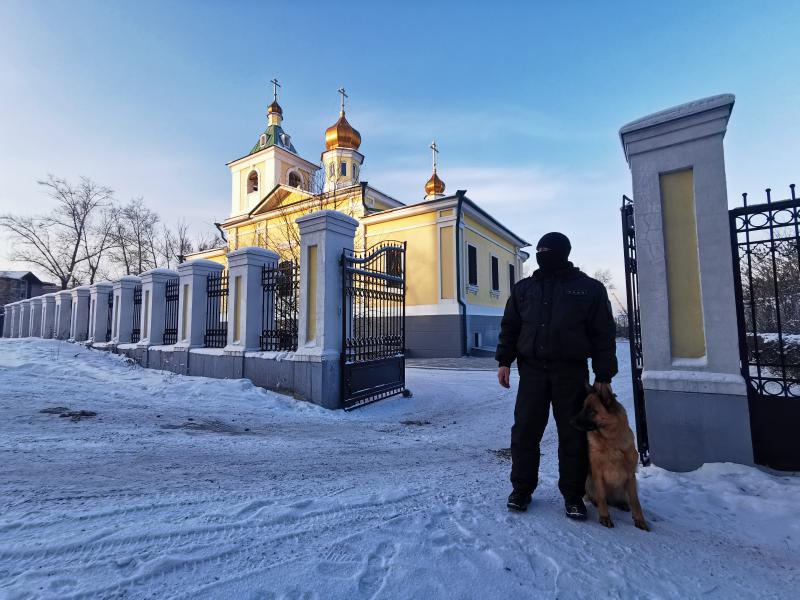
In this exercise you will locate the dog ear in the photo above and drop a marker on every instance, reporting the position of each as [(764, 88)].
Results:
[(608, 398)]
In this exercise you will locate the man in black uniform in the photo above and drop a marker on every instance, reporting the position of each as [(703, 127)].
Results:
[(554, 321)]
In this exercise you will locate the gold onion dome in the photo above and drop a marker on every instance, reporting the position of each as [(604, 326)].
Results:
[(342, 135), (275, 108), (434, 186)]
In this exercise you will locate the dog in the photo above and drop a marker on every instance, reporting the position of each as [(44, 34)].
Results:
[(612, 457)]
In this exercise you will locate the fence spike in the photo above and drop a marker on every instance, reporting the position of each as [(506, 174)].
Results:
[(744, 198), (791, 187), (769, 195)]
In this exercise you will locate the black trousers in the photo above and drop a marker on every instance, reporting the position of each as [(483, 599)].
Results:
[(563, 386)]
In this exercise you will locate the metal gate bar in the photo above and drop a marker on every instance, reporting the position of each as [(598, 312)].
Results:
[(136, 330), (373, 323), (634, 328), (216, 335), (171, 293)]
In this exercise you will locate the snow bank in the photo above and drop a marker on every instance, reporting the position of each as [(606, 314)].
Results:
[(185, 487)]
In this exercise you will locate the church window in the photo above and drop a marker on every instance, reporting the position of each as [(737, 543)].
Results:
[(262, 141), (495, 274), (472, 265), (294, 180), (331, 170), (512, 277), (252, 182), (343, 169), (355, 171)]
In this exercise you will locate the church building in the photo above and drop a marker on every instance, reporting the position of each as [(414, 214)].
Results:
[(460, 260)]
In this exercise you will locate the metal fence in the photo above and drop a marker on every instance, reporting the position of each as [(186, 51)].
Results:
[(216, 311), (280, 285), (136, 329), (110, 315), (765, 239), (171, 294)]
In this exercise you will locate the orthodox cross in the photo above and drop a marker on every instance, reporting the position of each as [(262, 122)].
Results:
[(275, 86), (435, 150), (344, 95)]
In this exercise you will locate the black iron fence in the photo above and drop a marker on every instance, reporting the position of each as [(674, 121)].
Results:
[(136, 329), (634, 328), (216, 311), (373, 323), (171, 294), (110, 315), (765, 239), (279, 303)]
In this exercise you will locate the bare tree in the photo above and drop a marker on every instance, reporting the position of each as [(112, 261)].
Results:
[(134, 237), (59, 242), (604, 277), (174, 245)]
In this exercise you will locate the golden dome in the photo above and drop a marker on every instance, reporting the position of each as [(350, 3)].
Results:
[(434, 186), (275, 108), (342, 135)]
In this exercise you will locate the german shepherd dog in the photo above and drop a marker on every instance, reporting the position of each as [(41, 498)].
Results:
[(612, 457)]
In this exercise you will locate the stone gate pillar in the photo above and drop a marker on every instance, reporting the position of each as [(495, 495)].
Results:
[(122, 319), (35, 328), (695, 396), (245, 297), (154, 306), (48, 315), (324, 235), (25, 318), (15, 312), (7, 310), (79, 328), (98, 313), (63, 314), (192, 301)]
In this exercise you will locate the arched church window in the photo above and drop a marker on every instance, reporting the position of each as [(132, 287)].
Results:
[(343, 171), (252, 182), (295, 180)]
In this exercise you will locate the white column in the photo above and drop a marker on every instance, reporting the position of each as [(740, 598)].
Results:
[(245, 296), (324, 235), (694, 392), (35, 328), (154, 285), (98, 312), (15, 311), (122, 319), (48, 315), (63, 314), (79, 324), (7, 320), (25, 318), (192, 302)]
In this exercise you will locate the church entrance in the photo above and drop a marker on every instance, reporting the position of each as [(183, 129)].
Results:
[(373, 323)]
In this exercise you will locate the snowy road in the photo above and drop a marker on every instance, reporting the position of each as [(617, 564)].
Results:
[(186, 487)]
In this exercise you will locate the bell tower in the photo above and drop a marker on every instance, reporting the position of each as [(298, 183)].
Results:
[(341, 160)]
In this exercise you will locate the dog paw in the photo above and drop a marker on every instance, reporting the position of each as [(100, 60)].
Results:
[(606, 522), (641, 524)]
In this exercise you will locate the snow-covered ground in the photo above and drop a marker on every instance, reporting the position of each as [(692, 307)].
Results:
[(199, 488)]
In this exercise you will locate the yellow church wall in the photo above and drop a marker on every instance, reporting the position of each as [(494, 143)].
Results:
[(488, 244), (421, 234)]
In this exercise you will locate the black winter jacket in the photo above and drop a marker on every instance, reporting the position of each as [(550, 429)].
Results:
[(562, 317)]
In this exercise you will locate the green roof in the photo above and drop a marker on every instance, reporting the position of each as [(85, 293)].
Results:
[(273, 136)]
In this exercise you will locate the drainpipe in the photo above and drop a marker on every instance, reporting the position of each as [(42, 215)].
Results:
[(221, 232), (459, 212)]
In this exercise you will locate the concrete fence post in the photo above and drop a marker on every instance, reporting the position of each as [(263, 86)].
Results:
[(245, 294), (122, 319), (16, 307), (154, 298), (695, 394), (48, 315), (98, 312), (25, 318), (7, 320), (192, 301), (79, 323), (63, 314), (324, 235), (35, 328)]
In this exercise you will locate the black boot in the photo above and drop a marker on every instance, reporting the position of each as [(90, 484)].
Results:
[(575, 508), (519, 501)]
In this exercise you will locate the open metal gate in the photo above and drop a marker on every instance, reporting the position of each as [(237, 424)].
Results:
[(373, 323), (634, 328), (765, 239)]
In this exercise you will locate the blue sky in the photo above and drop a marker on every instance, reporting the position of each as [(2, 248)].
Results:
[(524, 98)]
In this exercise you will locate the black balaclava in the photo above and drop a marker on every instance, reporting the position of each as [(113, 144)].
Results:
[(556, 257)]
